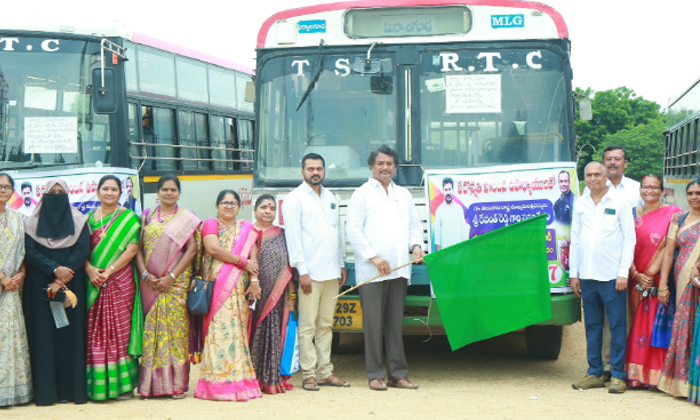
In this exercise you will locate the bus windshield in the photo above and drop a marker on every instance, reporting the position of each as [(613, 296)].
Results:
[(347, 114), (46, 116)]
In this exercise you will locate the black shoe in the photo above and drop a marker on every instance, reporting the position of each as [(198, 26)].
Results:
[(607, 375)]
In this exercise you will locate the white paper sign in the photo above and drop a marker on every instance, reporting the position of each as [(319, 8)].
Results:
[(475, 93), (51, 135)]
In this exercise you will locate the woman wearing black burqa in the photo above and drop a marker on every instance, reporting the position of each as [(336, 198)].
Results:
[(58, 243)]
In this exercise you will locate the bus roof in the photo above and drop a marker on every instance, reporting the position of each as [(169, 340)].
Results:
[(321, 9), (672, 101), (117, 29)]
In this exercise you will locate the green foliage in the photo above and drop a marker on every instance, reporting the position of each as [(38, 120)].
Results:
[(623, 118)]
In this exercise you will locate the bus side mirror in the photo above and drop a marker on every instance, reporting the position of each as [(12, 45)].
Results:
[(249, 94), (585, 110), (104, 96), (382, 85)]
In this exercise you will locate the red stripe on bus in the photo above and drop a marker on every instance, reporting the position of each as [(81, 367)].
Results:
[(558, 19)]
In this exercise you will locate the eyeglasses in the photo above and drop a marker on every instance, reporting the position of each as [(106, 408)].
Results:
[(651, 187), (6, 187), (229, 204)]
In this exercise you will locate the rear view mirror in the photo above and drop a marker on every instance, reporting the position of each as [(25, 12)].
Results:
[(367, 65), (382, 85), (104, 96), (585, 110)]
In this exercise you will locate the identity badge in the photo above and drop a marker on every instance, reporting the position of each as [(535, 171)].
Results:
[(609, 211)]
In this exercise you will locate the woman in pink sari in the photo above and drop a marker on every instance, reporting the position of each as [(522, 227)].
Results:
[(269, 320), (644, 361), (230, 261), (169, 243)]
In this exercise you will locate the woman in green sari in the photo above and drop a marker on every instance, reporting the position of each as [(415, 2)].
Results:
[(115, 314)]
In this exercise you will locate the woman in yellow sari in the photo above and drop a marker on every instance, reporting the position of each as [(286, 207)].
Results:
[(169, 243)]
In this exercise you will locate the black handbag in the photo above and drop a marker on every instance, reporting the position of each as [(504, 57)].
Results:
[(199, 296)]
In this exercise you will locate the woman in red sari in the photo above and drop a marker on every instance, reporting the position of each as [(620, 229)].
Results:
[(644, 361), (269, 320)]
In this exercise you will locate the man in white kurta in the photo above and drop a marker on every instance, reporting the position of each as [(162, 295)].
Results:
[(450, 225), (384, 228)]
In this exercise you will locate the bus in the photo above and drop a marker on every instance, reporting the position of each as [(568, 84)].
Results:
[(87, 100), (681, 162), (342, 79)]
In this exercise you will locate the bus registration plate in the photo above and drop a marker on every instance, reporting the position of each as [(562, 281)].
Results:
[(348, 315)]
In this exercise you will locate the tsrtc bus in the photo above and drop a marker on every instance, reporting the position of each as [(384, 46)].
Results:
[(682, 153), (138, 102), (342, 79)]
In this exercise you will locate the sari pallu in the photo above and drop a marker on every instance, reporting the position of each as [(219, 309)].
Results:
[(644, 362), (227, 371), (15, 370), (165, 365), (115, 314), (269, 320), (675, 373)]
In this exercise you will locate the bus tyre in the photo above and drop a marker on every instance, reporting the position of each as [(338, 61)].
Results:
[(544, 341), (335, 344)]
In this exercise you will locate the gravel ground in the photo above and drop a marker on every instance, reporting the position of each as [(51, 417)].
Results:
[(487, 380)]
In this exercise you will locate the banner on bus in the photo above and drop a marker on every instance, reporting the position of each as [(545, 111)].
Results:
[(82, 186), (467, 203)]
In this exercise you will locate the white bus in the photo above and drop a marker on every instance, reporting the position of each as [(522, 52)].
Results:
[(124, 100), (682, 154), (342, 79)]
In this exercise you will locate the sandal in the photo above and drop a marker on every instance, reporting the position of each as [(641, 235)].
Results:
[(178, 396), (310, 384), (403, 383), (125, 396), (333, 381), (377, 384)]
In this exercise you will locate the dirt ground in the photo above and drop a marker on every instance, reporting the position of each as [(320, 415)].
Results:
[(487, 380)]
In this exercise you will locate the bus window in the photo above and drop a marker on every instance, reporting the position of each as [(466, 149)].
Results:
[(134, 150), (159, 128), (202, 140), (245, 142), (530, 124), (220, 140)]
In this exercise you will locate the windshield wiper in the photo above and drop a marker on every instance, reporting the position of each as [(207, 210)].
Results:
[(318, 67)]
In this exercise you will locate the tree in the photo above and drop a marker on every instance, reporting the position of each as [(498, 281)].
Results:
[(622, 111)]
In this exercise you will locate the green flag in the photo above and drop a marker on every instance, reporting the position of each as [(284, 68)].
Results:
[(492, 284)]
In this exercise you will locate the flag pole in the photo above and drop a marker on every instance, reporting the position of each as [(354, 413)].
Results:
[(373, 278)]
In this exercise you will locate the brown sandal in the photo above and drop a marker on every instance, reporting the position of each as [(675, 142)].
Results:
[(377, 384), (333, 381), (180, 396), (310, 384)]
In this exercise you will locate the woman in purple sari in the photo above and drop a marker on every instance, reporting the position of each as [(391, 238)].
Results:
[(269, 322), (169, 244), (230, 261)]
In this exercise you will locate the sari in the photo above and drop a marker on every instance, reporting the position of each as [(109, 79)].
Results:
[(674, 376), (165, 363), (644, 361), (15, 371), (115, 314), (227, 372), (270, 316)]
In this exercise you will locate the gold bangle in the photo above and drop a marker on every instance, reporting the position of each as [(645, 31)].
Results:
[(661, 289), (112, 267), (292, 295), (254, 280)]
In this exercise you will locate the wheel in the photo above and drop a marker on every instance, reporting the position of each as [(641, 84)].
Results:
[(544, 341), (335, 344)]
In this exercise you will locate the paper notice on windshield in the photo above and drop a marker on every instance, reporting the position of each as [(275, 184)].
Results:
[(467, 94), (51, 135)]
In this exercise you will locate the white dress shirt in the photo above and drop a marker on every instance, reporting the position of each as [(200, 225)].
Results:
[(602, 237), (314, 242), (450, 226), (385, 225), (628, 188)]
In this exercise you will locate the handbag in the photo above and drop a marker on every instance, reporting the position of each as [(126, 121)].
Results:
[(290, 353), (663, 321), (199, 296)]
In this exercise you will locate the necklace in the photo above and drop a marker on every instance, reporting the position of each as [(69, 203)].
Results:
[(6, 223), (644, 209), (223, 226), (161, 220), (103, 234)]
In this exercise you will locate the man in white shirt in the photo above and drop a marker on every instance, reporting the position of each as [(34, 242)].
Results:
[(450, 226), (384, 228), (28, 203), (602, 248), (315, 248)]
